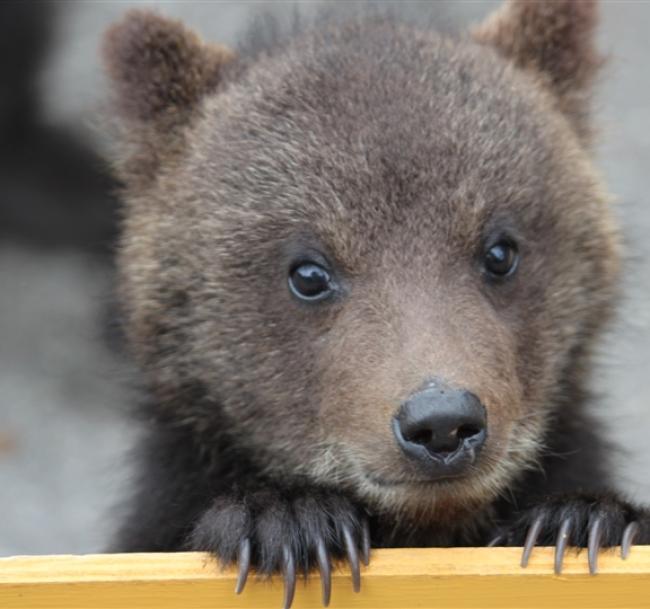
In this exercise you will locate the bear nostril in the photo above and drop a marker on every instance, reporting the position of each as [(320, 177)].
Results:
[(422, 437), (467, 431)]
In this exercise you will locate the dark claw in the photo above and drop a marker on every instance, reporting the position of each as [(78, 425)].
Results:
[(353, 558), (531, 540), (496, 541), (629, 534), (244, 564), (561, 544), (289, 568), (365, 542), (593, 545), (325, 571)]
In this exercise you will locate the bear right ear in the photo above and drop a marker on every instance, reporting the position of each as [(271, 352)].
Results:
[(554, 39), (159, 71)]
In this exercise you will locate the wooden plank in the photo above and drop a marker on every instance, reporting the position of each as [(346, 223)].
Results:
[(469, 578)]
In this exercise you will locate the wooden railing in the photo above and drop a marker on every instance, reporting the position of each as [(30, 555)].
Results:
[(477, 578)]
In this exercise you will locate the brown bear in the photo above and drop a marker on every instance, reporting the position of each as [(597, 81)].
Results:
[(363, 271)]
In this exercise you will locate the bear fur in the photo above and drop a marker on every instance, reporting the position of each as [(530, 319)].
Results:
[(392, 155)]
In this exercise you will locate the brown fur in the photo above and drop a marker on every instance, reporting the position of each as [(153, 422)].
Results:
[(395, 153), (555, 42)]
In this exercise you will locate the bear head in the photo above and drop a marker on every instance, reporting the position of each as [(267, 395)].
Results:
[(354, 222)]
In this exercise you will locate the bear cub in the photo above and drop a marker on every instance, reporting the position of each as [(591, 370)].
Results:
[(363, 272)]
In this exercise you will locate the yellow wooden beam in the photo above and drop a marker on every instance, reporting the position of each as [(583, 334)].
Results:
[(476, 578)]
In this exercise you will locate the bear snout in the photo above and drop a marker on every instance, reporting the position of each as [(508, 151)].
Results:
[(441, 429)]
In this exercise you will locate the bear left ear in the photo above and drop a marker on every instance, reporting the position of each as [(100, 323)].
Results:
[(159, 72), (555, 39)]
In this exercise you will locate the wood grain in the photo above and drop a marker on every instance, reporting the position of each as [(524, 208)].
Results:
[(396, 578)]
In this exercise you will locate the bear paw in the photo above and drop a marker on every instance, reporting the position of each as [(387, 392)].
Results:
[(581, 521), (279, 533)]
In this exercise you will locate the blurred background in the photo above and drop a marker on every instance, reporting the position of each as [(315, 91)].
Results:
[(66, 386)]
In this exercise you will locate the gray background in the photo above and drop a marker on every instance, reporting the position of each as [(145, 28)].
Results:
[(64, 436)]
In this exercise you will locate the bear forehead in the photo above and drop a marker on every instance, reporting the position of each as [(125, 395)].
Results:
[(368, 134)]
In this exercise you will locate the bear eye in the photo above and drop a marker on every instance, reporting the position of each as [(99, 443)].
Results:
[(500, 259), (310, 281)]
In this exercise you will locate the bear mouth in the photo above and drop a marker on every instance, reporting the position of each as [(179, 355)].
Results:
[(389, 482)]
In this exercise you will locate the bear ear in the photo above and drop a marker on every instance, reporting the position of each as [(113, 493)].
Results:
[(158, 67), (159, 71), (555, 39)]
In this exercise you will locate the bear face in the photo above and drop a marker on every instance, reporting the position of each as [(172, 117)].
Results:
[(394, 161)]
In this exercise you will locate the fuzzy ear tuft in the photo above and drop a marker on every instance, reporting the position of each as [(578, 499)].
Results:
[(554, 38), (159, 71), (158, 67)]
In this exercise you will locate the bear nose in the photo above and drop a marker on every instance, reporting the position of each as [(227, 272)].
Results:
[(441, 429)]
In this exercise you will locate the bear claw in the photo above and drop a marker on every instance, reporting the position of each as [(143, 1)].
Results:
[(594, 541), (313, 530), (580, 521), (325, 570), (289, 567), (322, 558), (593, 544), (531, 540), (561, 544), (365, 542), (629, 535), (353, 558), (244, 564)]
